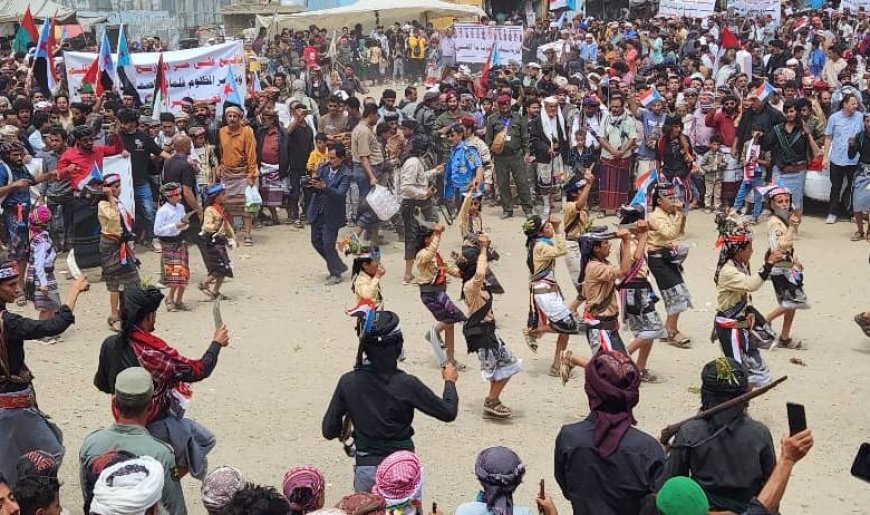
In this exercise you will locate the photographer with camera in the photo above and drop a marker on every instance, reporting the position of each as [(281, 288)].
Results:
[(326, 212)]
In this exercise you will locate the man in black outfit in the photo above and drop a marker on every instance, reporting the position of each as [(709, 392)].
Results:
[(604, 466), (141, 147), (179, 170), (380, 400), (300, 142)]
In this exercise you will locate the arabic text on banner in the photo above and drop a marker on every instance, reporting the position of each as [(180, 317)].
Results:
[(687, 8), (474, 42), (199, 73), (757, 7)]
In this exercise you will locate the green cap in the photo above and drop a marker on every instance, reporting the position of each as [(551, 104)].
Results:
[(681, 495), (134, 385)]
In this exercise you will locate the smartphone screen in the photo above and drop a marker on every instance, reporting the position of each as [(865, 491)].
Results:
[(797, 418)]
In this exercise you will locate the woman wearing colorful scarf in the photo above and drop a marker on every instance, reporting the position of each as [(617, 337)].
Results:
[(119, 263), (431, 276), (40, 284), (497, 362), (217, 235), (787, 275), (665, 257), (548, 312), (500, 472), (739, 327)]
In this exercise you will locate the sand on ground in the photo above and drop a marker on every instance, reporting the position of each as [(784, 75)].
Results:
[(291, 341)]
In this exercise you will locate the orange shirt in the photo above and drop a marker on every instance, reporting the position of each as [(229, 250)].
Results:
[(238, 149)]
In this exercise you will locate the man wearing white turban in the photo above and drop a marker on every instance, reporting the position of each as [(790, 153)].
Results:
[(132, 487)]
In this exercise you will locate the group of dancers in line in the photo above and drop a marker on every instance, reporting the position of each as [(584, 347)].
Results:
[(611, 290)]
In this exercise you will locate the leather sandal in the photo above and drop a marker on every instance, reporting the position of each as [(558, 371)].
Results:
[(495, 409)]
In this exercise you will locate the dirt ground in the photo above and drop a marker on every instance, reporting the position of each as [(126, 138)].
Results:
[(291, 341)]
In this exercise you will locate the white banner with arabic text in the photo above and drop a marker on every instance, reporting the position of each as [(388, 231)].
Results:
[(199, 73), (686, 8), (756, 7), (474, 42)]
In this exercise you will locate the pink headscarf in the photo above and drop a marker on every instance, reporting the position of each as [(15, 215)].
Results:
[(399, 478), (304, 488)]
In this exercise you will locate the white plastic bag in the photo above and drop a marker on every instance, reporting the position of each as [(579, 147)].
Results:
[(253, 200), (382, 202)]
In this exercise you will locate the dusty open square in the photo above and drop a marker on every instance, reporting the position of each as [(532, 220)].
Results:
[(291, 340)]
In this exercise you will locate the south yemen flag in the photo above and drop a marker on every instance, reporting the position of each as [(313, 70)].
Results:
[(43, 60), (160, 99)]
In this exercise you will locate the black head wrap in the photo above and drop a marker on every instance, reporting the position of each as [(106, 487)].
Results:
[(629, 214), (532, 229), (722, 380), (500, 472), (662, 188), (382, 345)]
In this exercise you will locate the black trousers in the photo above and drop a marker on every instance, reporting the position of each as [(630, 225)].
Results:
[(839, 197)]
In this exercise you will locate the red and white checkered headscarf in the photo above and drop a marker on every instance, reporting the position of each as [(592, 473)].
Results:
[(399, 477)]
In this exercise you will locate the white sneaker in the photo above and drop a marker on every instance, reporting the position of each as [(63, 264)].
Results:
[(832, 219)]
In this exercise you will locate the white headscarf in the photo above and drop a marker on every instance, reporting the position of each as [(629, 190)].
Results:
[(551, 125), (128, 488)]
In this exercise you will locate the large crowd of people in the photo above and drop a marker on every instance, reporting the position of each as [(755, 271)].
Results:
[(646, 123)]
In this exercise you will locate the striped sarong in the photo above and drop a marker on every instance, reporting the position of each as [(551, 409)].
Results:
[(235, 180), (174, 263), (614, 183), (115, 273), (271, 186)]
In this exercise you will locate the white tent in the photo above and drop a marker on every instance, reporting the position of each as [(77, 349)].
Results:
[(370, 13), (13, 10)]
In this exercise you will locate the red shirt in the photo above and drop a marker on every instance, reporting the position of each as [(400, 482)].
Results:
[(723, 124), (85, 161)]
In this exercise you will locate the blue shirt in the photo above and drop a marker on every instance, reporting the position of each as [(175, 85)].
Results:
[(16, 196), (817, 62), (459, 170), (840, 128), (588, 52)]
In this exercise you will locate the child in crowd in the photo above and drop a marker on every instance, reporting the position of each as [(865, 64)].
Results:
[(40, 285), (753, 162), (712, 167)]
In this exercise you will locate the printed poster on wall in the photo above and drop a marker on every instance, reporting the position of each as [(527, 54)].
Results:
[(199, 73), (474, 42), (687, 8)]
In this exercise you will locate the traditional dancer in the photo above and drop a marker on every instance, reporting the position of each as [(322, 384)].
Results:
[(740, 327), (548, 312), (633, 292), (366, 274), (666, 256), (169, 223), (76, 165), (677, 162), (497, 362), (575, 219), (137, 345), (119, 264), (217, 235), (432, 272), (40, 284), (787, 274), (23, 427)]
